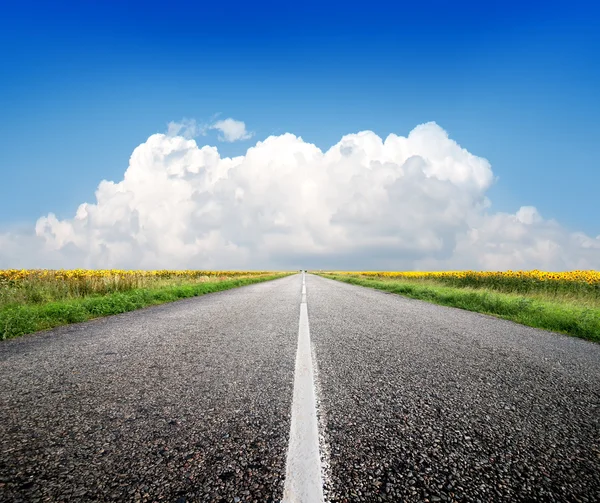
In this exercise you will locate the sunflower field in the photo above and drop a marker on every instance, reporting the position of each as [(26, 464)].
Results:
[(34, 286), (39, 299), (573, 284), (566, 302)]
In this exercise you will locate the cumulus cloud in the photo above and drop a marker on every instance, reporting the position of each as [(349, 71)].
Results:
[(231, 130), (365, 203), (523, 240)]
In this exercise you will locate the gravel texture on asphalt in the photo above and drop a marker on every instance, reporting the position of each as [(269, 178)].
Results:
[(426, 403), (182, 402)]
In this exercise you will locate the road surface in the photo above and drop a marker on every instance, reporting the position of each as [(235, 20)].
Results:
[(193, 401)]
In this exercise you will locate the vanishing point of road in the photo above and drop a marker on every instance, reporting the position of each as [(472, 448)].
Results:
[(302, 390)]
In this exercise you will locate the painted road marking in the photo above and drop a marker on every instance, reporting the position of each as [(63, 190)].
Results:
[(303, 477)]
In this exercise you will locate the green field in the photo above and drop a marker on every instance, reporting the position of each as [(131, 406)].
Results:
[(32, 304), (572, 309)]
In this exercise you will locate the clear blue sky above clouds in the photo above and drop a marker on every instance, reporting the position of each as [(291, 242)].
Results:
[(83, 83)]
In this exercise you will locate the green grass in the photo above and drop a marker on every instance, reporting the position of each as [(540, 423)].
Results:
[(565, 317), (16, 320)]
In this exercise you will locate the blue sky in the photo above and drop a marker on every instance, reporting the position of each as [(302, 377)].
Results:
[(83, 83)]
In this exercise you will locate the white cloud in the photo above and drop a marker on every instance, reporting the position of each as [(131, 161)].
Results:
[(232, 130), (524, 240), (188, 128), (366, 203)]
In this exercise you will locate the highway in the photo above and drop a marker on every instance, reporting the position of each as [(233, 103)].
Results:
[(214, 398)]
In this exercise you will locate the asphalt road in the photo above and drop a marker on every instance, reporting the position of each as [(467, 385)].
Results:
[(423, 402), (187, 401), (191, 401)]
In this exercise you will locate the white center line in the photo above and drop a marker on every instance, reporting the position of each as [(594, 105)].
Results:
[(303, 477)]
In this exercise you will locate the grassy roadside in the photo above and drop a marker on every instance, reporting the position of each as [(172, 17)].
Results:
[(567, 318), (18, 320)]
